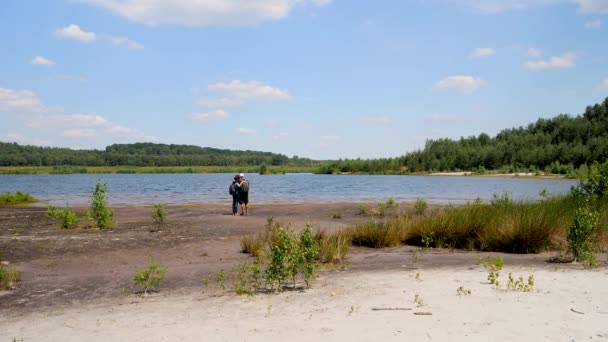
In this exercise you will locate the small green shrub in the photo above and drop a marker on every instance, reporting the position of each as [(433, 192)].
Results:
[(582, 236), (220, 279), (100, 211), (461, 291), (69, 219), (520, 285), (151, 276), (501, 200), (53, 212), (159, 213), (493, 266), (420, 206)]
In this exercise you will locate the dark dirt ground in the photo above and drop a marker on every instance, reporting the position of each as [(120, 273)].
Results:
[(62, 267)]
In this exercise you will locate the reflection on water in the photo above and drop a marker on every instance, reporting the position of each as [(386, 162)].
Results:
[(137, 189)]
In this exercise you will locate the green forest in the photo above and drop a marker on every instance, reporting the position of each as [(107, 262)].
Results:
[(139, 154), (559, 145)]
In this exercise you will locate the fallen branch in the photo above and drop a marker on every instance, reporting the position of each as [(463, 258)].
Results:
[(578, 312), (423, 313), (391, 309)]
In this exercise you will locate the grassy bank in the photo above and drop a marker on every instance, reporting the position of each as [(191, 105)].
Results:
[(18, 197), (32, 170), (513, 227)]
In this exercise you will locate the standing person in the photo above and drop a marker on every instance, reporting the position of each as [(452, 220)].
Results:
[(243, 194), (234, 190)]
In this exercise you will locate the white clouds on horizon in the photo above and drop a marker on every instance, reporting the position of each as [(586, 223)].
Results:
[(20, 139), (29, 108), (483, 52), (209, 116), (39, 60), (238, 92), (203, 12), (460, 83), (79, 133), (22, 101), (565, 61), (593, 24)]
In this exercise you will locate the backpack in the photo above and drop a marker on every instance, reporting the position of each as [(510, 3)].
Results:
[(245, 186), (231, 189)]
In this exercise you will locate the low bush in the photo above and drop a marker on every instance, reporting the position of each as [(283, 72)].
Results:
[(582, 236), (159, 213), (150, 277), (420, 206), (100, 211)]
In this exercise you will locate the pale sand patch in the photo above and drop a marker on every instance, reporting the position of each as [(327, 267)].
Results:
[(339, 308)]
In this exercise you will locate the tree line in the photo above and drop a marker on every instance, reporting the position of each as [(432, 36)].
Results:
[(140, 154), (556, 145)]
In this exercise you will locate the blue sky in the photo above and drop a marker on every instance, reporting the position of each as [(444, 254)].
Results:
[(314, 78)]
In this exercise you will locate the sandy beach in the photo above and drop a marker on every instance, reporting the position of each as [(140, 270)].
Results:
[(77, 286)]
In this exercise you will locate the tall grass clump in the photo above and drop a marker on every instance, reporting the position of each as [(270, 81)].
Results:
[(379, 233), (100, 212), (9, 276), (333, 246), (9, 198)]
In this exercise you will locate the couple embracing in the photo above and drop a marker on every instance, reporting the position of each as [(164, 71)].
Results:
[(239, 189)]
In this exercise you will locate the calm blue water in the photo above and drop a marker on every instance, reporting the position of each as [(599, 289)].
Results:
[(137, 189)]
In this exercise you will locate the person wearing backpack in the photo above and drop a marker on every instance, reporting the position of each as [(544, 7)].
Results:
[(243, 193), (234, 190)]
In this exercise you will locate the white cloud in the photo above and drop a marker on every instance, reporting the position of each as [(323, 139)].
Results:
[(239, 92), (535, 53), (22, 101), (462, 84), (483, 52), (604, 84), (79, 133), (65, 120), (215, 115), (593, 6), (222, 102), (593, 24), (498, 6), (565, 61), (20, 139), (123, 41), (247, 131), (203, 12), (330, 138), (75, 32), (39, 60)]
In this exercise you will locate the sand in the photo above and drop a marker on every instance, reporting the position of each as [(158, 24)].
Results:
[(567, 305), (77, 286)]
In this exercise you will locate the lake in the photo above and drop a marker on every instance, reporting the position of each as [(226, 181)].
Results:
[(145, 189)]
